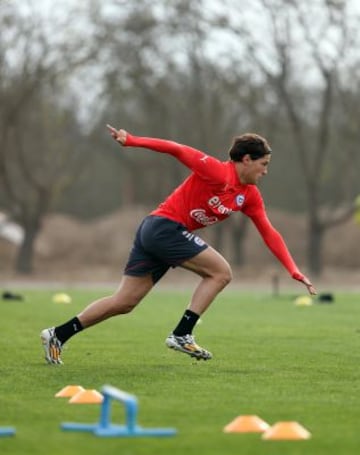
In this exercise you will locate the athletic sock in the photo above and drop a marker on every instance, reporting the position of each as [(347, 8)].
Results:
[(65, 331), (186, 324)]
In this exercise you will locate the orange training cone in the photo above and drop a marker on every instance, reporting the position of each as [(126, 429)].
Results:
[(87, 397), (246, 424), (69, 391), (286, 431)]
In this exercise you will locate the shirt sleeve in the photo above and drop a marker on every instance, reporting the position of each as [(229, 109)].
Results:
[(206, 166), (274, 240)]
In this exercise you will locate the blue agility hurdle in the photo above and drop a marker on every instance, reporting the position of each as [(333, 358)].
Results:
[(7, 431), (104, 428)]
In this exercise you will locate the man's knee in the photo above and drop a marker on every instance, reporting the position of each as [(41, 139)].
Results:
[(135, 288), (128, 297), (123, 303), (224, 276)]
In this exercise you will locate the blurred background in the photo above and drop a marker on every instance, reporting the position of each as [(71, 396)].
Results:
[(197, 72)]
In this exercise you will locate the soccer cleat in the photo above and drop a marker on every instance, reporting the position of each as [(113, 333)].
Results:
[(51, 345), (187, 345)]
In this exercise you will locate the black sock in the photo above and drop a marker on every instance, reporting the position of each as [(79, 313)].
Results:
[(186, 324), (67, 330)]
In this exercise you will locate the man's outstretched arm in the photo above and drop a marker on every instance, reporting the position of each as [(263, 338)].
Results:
[(275, 242), (199, 162)]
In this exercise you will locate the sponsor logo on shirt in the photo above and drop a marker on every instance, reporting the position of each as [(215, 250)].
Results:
[(215, 202), (240, 198), (200, 216)]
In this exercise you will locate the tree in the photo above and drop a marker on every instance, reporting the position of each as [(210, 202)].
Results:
[(307, 63), (38, 129)]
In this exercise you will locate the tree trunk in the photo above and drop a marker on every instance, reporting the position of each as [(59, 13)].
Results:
[(25, 256), (238, 235), (315, 247), (219, 237)]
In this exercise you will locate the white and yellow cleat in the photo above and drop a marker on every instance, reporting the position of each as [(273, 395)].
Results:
[(52, 346), (187, 345)]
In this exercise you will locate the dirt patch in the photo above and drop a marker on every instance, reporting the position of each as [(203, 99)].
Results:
[(70, 250)]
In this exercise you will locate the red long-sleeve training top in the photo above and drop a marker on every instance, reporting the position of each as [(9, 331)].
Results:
[(211, 194)]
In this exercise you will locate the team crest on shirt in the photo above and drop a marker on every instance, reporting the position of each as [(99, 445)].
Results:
[(240, 198)]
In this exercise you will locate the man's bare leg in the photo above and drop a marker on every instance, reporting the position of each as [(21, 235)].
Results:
[(129, 294), (216, 274)]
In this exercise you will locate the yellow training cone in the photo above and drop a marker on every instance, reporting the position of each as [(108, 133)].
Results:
[(87, 397), (286, 431), (246, 424), (69, 391), (303, 300), (61, 297)]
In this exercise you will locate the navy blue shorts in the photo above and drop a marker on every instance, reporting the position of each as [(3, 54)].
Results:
[(160, 244)]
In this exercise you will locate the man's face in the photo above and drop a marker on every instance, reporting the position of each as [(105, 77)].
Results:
[(253, 170)]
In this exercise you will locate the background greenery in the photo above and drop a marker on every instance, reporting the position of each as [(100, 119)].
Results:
[(271, 359)]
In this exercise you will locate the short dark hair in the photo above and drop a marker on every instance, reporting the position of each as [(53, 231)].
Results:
[(249, 144)]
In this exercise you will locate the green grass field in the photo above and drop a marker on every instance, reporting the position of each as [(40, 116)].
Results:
[(271, 359)]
